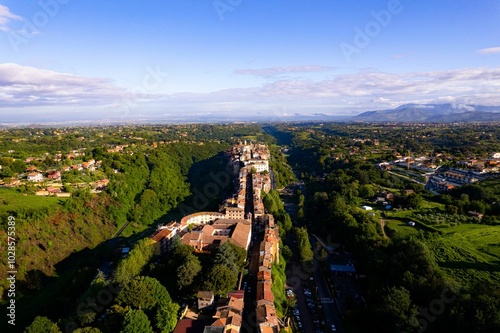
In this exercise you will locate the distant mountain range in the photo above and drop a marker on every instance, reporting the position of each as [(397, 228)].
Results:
[(432, 113)]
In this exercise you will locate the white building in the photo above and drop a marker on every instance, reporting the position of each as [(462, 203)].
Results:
[(35, 177), (259, 165)]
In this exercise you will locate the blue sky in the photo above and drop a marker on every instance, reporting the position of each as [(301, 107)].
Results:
[(68, 59)]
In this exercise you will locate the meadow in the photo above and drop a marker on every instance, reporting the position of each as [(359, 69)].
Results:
[(466, 252), (469, 253), (12, 201)]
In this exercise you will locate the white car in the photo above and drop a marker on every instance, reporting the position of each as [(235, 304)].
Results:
[(334, 329)]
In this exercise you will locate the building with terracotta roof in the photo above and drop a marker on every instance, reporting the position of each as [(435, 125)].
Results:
[(189, 326), (211, 236), (163, 237), (264, 293), (53, 190), (264, 275), (267, 319), (239, 294), (266, 314), (54, 175), (228, 316), (263, 328)]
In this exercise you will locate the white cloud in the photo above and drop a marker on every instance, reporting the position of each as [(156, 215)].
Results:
[(28, 86), (6, 16), (22, 86), (383, 100), (275, 71), (490, 50)]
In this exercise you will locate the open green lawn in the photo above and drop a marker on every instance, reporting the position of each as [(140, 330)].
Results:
[(249, 138), (484, 238), (469, 252), (435, 206), (427, 206), (401, 227), (11, 200)]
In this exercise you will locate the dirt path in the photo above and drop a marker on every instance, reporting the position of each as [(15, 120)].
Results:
[(382, 224)]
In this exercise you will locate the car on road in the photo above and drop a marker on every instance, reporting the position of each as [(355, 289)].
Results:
[(334, 329)]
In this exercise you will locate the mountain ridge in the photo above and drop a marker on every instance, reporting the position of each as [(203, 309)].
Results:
[(446, 112)]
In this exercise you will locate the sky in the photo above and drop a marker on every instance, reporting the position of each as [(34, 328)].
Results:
[(179, 59)]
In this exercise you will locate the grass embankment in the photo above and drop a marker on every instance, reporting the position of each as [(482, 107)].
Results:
[(278, 287), (469, 253), (46, 233), (12, 201)]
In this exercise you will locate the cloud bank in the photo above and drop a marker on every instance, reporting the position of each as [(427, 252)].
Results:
[(23, 87), (276, 71)]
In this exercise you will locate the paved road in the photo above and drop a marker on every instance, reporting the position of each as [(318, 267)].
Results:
[(328, 302), (298, 280), (118, 233), (405, 177), (249, 325)]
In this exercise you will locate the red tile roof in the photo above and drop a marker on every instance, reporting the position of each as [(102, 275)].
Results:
[(189, 326), (163, 233)]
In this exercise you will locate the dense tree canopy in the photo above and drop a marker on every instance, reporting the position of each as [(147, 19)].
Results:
[(187, 271), (134, 263), (136, 321), (220, 279), (42, 325)]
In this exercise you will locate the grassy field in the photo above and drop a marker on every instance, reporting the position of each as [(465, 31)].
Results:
[(249, 138), (401, 227), (466, 252), (431, 205), (469, 252), (11, 200)]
